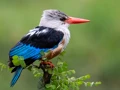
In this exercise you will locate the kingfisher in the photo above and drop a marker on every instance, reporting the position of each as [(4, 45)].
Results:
[(51, 35)]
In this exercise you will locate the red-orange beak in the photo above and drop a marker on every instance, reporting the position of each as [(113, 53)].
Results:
[(73, 20)]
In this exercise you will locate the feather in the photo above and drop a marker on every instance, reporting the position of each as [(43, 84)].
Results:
[(16, 76), (25, 51)]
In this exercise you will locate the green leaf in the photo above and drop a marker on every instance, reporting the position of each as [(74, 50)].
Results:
[(15, 57), (70, 72), (15, 60), (72, 79), (52, 87), (62, 53), (84, 77), (10, 69), (59, 63), (97, 83), (87, 76), (36, 72), (3, 66), (79, 83), (44, 58), (22, 62), (90, 84), (37, 75), (29, 68)]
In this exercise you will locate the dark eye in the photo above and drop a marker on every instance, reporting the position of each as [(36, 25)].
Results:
[(62, 18)]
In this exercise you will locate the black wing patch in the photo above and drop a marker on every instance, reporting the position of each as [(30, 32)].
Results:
[(43, 37)]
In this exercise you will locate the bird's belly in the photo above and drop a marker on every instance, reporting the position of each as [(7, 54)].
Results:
[(67, 39), (66, 36)]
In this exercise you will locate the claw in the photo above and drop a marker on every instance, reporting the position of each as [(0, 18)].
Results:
[(49, 63)]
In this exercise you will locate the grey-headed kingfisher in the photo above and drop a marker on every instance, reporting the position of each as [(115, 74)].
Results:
[(51, 34)]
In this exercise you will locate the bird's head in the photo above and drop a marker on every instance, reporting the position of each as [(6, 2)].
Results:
[(55, 19)]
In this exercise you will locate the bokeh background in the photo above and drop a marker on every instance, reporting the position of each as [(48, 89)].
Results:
[(94, 47)]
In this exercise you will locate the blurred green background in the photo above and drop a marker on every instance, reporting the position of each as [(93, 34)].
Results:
[(94, 47)]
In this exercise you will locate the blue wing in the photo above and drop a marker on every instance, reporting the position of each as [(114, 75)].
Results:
[(27, 51)]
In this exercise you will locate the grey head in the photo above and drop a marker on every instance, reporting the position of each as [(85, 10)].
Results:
[(54, 19), (52, 14)]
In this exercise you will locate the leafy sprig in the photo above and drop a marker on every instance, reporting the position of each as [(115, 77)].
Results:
[(63, 79)]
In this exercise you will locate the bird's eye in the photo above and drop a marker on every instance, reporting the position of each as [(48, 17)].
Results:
[(62, 18)]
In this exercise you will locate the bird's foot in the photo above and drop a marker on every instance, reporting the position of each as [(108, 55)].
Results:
[(47, 63)]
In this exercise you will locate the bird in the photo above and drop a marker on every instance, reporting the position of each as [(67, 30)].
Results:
[(52, 34)]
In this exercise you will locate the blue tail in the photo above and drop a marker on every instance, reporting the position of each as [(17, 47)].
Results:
[(16, 76)]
